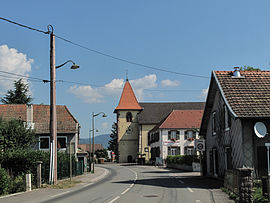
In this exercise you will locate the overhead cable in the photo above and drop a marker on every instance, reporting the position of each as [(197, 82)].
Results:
[(25, 26)]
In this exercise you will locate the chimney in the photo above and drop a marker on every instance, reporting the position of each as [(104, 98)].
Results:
[(236, 72)]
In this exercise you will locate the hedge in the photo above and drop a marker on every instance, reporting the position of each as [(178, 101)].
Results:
[(21, 162), (182, 159)]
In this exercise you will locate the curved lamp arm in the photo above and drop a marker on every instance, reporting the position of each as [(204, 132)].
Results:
[(104, 115), (74, 66)]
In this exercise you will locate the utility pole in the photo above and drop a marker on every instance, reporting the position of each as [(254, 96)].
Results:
[(93, 143), (90, 150), (53, 122)]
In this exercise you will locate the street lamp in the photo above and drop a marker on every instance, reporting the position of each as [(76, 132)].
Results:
[(53, 122), (93, 136), (90, 148)]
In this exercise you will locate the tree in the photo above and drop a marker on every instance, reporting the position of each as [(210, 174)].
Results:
[(19, 95), (15, 136), (248, 68), (101, 153), (113, 142)]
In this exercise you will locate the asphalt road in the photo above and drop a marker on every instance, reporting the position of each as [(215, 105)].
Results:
[(132, 184)]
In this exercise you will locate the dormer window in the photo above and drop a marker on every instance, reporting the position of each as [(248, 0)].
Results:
[(129, 117)]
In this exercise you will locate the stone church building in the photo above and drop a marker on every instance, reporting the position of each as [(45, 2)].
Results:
[(135, 120)]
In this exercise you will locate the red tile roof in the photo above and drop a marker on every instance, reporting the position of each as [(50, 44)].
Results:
[(66, 123), (128, 99), (185, 119), (248, 96), (85, 147)]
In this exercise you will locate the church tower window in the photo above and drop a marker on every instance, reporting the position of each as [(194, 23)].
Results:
[(129, 117)]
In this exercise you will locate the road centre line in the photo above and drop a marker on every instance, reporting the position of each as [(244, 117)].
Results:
[(131, 185), (189, 189), (60, 194), (125, 191), (113, 200)]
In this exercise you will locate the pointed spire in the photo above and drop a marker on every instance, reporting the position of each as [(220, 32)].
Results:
[(128, 99), (126, 75)]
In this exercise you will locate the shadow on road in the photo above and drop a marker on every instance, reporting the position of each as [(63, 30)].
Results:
[(176, 179)]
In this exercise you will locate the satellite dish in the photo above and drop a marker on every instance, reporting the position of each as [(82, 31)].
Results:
[(260, 129)]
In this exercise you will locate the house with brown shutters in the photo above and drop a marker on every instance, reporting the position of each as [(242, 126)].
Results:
[(135, 120), (236, 122), (175, 134), (37, 117)]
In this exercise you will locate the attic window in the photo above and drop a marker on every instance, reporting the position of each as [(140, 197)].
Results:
[(129, 117)]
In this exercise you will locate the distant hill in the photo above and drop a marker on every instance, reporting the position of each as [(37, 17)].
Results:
[(101, 139)]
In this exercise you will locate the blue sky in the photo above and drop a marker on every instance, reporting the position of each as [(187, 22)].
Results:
[(192, 37)]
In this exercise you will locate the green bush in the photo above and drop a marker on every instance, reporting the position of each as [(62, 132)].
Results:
[(4, 182), (18, 184), (257, 195), (182, 159), (25, 161)]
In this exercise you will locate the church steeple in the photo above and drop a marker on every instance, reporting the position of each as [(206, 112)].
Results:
[(128, 99)]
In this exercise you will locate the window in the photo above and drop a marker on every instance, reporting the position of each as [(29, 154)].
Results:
[(173, 135), (214, 123), (129, 117), (44, 142), (173, 151), (61, 142), (227, 119), (228, 158), (190, 135), (189, 150)]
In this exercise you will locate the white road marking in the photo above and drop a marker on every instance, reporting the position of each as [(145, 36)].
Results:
[(60, 194), (131, 185), (198, 201), (181, 181), (125, 191), (113, 200), (189, 189)]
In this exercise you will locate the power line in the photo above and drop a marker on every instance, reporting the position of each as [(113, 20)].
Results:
[(104, 54), (130, 62), (25, 26), (35, 79), (19, 75)]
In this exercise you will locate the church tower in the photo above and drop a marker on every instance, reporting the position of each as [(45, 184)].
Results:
[(127, 125)]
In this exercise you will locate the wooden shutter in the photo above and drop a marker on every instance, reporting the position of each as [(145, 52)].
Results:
[(177, 135)]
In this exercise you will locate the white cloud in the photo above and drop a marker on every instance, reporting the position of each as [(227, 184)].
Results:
[(169, 83), (204, 93), (139, 85), (114, 88), (87, 93), (14, 62)]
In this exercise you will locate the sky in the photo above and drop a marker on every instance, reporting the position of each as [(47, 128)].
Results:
[(189, 38)]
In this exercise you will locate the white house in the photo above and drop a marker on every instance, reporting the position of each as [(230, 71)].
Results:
[(175, 134)]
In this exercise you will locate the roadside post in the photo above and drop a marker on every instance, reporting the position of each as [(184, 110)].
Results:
[(39, 173)]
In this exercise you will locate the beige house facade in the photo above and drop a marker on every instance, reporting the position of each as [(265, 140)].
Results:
[(135, 120)]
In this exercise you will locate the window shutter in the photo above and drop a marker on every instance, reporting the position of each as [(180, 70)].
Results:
[(177, 135), (169, 135)]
